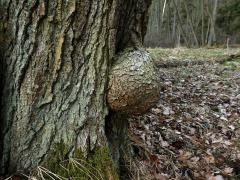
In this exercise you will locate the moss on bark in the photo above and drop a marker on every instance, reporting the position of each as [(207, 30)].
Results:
[(96, 165)]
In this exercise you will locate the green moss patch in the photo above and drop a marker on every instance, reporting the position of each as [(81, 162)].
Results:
[(233, 65), (97, 165)]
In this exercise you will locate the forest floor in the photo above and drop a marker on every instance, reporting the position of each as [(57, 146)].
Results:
[(194, 130)]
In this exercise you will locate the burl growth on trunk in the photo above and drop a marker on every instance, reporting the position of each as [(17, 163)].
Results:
[(133, 83)]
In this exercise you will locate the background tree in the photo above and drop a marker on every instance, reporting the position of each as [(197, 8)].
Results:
[(193, 23), (56, 56)]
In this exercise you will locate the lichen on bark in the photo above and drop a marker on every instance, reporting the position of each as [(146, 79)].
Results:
[(52, 90)]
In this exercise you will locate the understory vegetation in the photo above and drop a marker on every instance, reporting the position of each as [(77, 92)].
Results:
[(97, 165)]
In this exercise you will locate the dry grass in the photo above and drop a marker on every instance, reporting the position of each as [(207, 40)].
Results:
[(160, 54)]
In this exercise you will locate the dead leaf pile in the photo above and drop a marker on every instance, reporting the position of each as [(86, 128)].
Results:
[(194, 130)]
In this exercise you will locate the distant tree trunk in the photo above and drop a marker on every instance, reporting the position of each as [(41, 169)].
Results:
[(212, 36), (202, 16), (174, 28), (154, 26), (56, 60), (181, 23), (190, 23)]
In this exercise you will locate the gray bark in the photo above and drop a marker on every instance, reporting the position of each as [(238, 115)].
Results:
[(133, 83), (55, 69), (212, 36)]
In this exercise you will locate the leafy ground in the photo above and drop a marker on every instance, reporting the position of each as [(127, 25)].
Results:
[(194, 130)]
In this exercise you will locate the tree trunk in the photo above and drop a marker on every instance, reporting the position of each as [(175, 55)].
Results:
[(56, 60), (190, 23), (212, 36), (181, 23)]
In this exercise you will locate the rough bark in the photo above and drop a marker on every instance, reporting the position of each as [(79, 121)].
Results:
[(55, 69), (132, 19), (133, 83), (53, 91)]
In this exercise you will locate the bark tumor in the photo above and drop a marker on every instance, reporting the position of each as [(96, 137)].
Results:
[(133, 83)]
